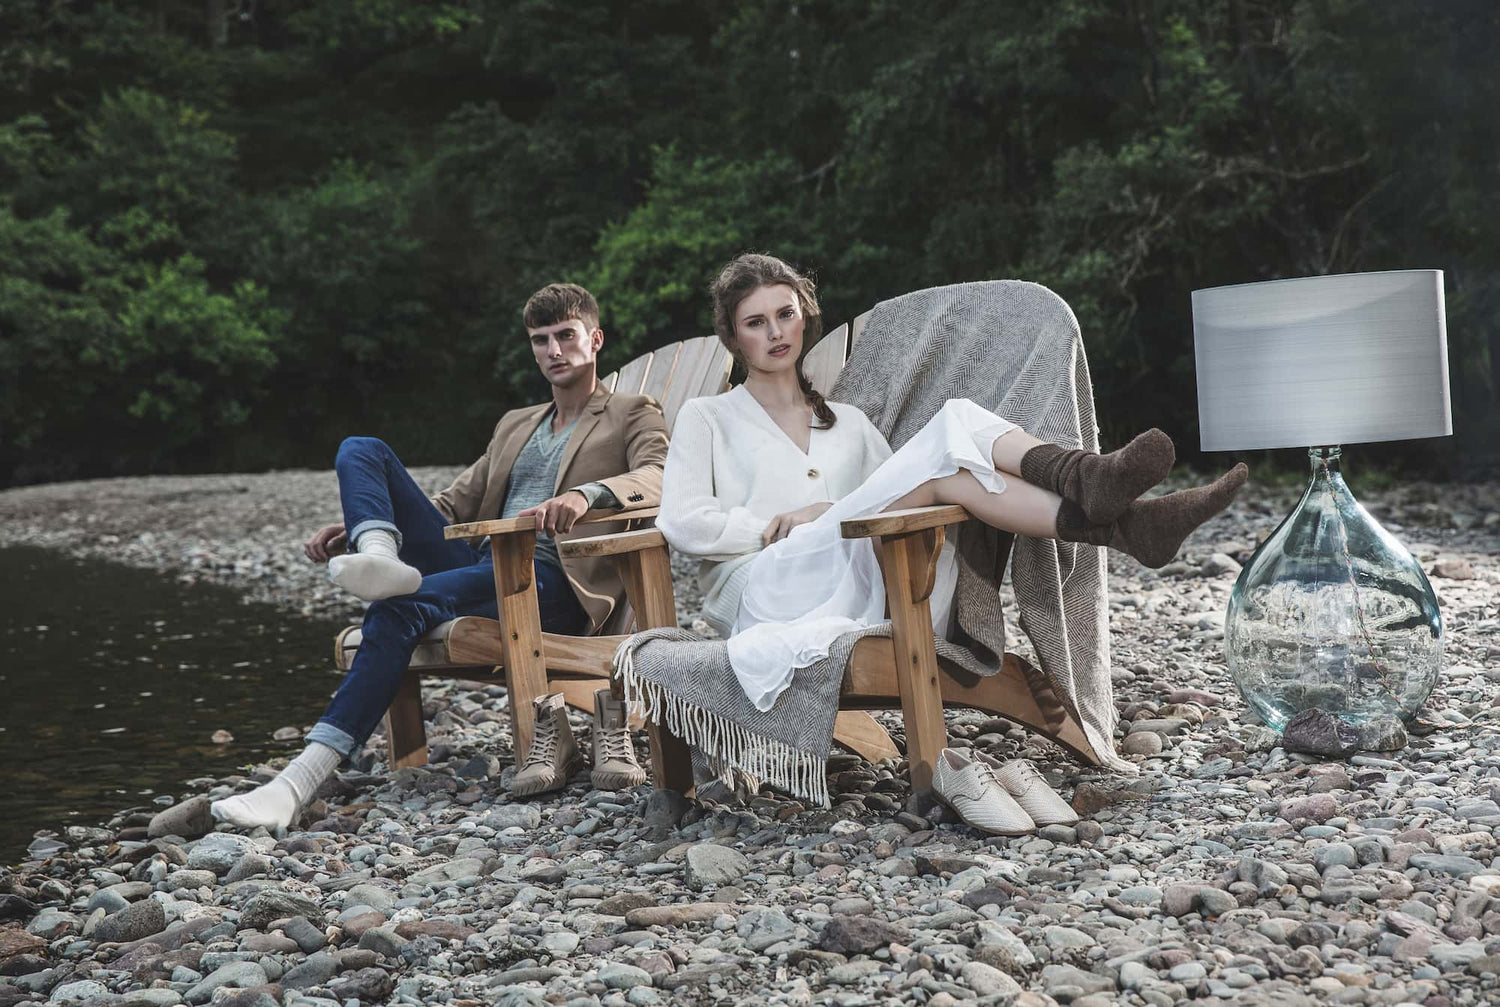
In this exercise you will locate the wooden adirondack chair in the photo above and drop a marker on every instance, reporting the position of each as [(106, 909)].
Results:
[(884, 673), (531, 663)]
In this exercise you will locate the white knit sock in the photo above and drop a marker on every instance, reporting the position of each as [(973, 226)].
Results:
[(276, 804), (374, 571)]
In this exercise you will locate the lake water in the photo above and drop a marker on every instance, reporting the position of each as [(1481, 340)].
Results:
[(113, 681)]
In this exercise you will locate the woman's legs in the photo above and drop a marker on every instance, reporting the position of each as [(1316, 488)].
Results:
[(1151, 531), (1102, 485), (1020, 507)]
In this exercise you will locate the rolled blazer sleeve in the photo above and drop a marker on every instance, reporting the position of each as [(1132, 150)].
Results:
[(645, 453)]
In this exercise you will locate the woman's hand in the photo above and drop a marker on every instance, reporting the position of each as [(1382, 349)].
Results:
[(326, 542), (782, 524)]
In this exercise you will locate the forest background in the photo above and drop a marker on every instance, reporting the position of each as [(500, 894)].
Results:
[(232, 233)]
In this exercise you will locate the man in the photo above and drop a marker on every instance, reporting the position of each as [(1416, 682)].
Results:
[(586, 448)]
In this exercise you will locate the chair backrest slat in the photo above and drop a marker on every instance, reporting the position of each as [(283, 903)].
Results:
[(702, 369), (663, 368), (700, 366), (824, 361), (634, 375)]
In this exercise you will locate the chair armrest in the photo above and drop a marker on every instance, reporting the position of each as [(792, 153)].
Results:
[(510, 525), (612, 545), (897, 522)]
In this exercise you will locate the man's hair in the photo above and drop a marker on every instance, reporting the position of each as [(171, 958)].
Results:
[(561, 302)]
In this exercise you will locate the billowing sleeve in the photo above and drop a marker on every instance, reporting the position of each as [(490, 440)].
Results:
[(692, 519)]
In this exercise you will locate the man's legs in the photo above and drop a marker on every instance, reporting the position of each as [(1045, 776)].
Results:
[(391, 631), (395, 533)]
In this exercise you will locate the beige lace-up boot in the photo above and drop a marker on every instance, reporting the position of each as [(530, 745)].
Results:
[(615, 764), (554, 754)]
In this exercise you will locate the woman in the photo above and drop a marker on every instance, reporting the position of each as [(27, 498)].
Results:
[(758, 479)]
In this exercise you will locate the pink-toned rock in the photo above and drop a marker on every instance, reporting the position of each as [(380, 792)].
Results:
[(1198, 696), (676, 916), (1316, 808), (412, 929), (1413, 949), (356, 926), (18, 942), (1453, 569)]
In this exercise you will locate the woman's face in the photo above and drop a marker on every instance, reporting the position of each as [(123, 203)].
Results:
[(768, 325)]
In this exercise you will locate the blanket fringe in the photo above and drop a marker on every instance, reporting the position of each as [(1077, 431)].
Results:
[(775, 762)]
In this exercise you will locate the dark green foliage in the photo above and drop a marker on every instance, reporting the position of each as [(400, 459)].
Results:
[(232, 233)]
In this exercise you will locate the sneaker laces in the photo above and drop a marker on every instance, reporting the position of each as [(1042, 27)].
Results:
[(543, 744), (614, 743)]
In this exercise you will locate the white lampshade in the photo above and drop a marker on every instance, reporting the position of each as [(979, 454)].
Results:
[(1322, 360)]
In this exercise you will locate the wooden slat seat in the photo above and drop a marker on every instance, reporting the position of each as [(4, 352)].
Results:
[(468, 648), (901, 671), (475, 649), (904, 669)]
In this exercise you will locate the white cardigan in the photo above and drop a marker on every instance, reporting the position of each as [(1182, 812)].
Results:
[(730, 469)]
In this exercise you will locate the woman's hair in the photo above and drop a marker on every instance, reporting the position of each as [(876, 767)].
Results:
[(743, 277)]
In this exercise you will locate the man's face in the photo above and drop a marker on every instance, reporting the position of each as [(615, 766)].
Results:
[(565, 352)]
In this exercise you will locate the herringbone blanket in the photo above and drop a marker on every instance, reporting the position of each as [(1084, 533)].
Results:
[(1014, 348)]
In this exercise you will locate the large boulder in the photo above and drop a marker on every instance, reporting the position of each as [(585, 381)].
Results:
[(136, 921), (188, 819), (267, 907)]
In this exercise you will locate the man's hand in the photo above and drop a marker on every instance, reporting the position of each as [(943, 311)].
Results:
[(326, 542), (558, 514), (782, 524)]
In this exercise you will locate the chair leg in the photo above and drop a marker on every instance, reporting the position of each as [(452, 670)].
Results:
[(862, 734), (520, 633), (908, 568), (648, 584), (405, 735)]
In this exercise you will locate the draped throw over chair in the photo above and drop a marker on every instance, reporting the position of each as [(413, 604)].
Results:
[(883, 673), (514, 650)]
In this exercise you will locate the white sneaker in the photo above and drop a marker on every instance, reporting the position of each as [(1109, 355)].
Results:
[(969, 787), (1031, 792)]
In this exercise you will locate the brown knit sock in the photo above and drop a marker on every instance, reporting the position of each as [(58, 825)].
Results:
[(1102, 485), (1153, 530)]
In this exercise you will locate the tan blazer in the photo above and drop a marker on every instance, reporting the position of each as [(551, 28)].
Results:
[(620, 441)]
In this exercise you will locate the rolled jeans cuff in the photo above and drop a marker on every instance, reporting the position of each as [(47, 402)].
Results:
[(371, 525), (326, 734)]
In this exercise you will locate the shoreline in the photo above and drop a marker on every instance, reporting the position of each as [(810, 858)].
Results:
[(1231, 872)]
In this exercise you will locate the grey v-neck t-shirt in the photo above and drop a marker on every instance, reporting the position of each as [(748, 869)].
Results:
[(534, 476)]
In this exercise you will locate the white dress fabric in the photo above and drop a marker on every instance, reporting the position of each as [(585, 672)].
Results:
[(730, 469)]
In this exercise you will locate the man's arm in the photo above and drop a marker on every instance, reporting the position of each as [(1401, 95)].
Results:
[(460, 501), (645, 453), (598, 495)]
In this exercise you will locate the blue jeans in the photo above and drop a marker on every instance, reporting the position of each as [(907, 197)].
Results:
[(457, 579)]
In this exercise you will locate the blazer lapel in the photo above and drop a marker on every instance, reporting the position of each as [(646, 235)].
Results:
[(586, 424), (505, 459)]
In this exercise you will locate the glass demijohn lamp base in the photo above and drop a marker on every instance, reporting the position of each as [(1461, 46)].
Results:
[(1333, 613)]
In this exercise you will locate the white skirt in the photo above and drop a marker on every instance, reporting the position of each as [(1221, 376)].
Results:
[(814, 586)]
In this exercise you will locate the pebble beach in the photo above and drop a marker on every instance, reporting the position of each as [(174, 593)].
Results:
[(1232, 870)]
